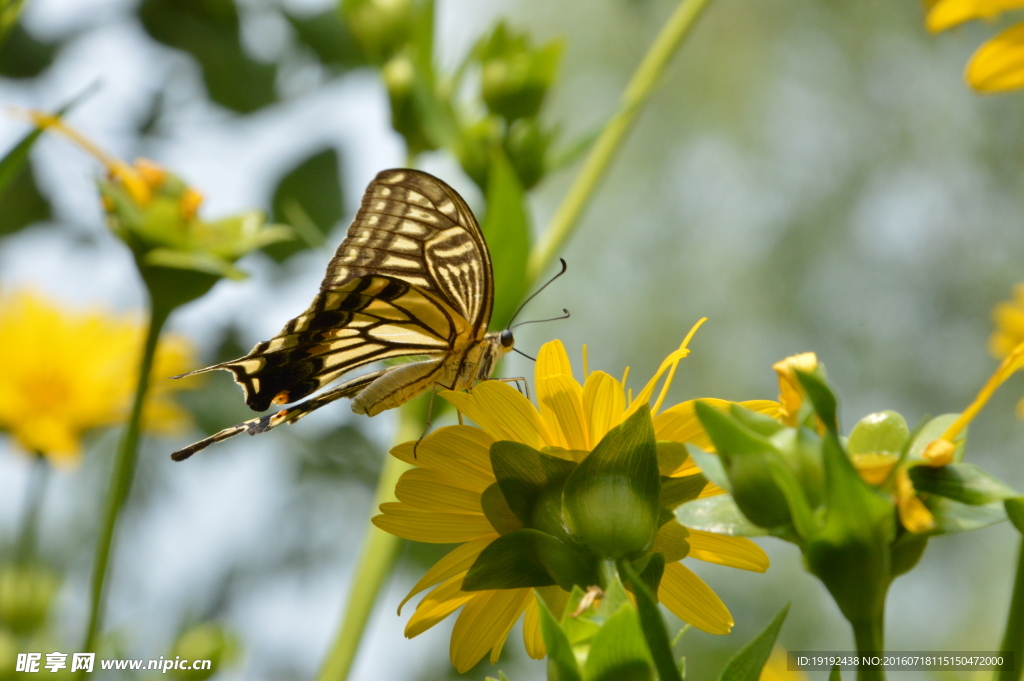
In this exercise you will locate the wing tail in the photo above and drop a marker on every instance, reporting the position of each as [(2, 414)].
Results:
[(290, 415)]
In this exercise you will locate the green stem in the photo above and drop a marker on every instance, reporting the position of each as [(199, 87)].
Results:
[(639, 90), (1013, 637), (378, 555), (870, 638), (122, 474), (25, 548)]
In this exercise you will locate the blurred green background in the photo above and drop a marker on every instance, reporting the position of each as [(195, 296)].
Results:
[(810, 176)]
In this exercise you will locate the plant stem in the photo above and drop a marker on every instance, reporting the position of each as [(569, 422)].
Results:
[(378, 555), (25, 547), (639, 90), (870, 638), (121, 475), (1013, 637)]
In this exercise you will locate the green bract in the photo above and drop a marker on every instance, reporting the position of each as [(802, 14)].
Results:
[(559, 519), (26, 594)]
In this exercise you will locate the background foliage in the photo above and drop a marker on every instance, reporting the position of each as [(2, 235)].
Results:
[(810, 177)]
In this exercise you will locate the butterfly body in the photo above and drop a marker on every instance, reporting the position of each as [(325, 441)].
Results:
[(412, 277)]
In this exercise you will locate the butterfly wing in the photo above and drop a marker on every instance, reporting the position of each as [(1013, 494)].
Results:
[(415, 228)]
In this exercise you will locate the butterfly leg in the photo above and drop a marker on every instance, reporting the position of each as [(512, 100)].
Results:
[(426, 429), (515, 381)]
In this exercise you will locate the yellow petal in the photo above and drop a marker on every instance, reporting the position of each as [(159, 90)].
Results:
[(407, 522), (461, 452), (914, 515), (458, 561), (438, 604), (946, 14), (998, 64), (563, 397), (691, 600), (533, 638), (484, 624), (551, 361), (737, 552), (874, 467), (502, 411), (433, 491), (710, 490), (680, 422), (603, 404)]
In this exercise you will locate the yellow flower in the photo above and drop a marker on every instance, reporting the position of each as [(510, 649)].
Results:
[(440, 499), (997, 65), (63, 373), (792, 393)]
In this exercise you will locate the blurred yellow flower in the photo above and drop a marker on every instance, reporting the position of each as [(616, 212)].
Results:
[(997, 65), (440, 499), (62, 373)]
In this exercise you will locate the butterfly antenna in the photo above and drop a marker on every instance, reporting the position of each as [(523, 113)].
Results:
[(535, 293), (532, 359), (564, 315)]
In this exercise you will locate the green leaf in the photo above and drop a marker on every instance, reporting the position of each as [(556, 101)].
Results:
[(20, 200), (759, 423), (506, 227), (718, 514), (198, 261), (711, 466), (676, 491), (963, 482), (835, 674), (1015, 512), (529, 558), (524, 475), (952, 517), (619, 652), (21, 204), (651, 622), (498, 512), (747, 664), (23, 56), (611, 500), (561, 659), (209, 31), (328, 38), (745, 456), (308, 198), (822, 397)]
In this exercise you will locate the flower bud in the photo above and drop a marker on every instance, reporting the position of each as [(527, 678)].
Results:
[(515, 77), (527, 149), (26, 594), (399, 76), (381, 27), (474, 146)]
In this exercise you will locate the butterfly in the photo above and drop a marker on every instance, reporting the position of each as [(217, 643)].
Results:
[(411, 278)]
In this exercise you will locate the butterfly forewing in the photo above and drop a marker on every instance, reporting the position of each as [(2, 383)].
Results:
[(415, 228)]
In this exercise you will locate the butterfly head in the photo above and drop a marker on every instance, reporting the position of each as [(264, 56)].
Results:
[(507, 340)]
